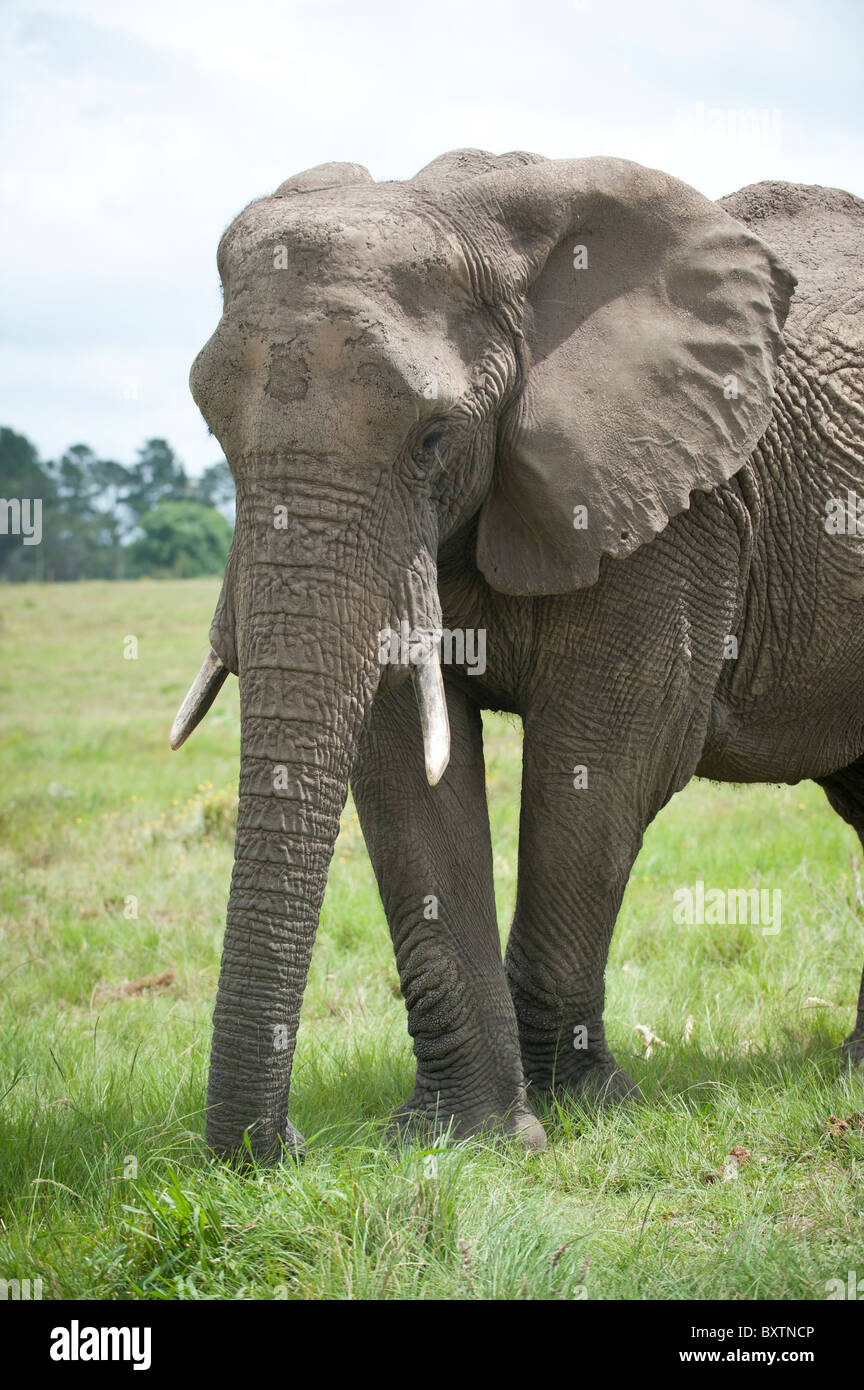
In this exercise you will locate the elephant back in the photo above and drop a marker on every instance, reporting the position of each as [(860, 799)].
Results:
[(819, 233)]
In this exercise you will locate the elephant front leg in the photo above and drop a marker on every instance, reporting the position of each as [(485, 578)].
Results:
[(431, 852), (580, 832)]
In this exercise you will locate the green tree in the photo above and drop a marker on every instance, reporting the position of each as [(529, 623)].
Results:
[(157, 476), (183, 539), (92, 508), (23, 476), (86, 530), (215, 488)]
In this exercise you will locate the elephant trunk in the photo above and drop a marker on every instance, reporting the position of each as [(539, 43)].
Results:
[(294, 771), (309, 609)]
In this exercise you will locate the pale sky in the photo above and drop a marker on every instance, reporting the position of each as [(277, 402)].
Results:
[(131, 134)]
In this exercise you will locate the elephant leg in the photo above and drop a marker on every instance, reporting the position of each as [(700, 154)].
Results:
[(845, 792), (619, 706), (431, 852), (576, 849), (597, 768)]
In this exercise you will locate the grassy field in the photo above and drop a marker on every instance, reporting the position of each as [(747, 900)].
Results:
[(115, 857)]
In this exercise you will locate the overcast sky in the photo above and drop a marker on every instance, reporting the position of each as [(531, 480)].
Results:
[(131, 134)]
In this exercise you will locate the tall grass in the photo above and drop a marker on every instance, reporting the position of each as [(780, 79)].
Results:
[(115, 858)]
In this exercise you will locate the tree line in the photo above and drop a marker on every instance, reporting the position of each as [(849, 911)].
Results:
[(99, 519)]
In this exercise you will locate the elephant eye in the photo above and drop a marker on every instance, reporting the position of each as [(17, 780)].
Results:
[(427, 457), (429, 445)]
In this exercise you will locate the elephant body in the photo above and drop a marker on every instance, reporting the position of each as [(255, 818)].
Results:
[(631, 677), (708, 623), (791, 703)]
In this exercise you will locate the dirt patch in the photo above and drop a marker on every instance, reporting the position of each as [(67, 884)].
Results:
[(131, 988)]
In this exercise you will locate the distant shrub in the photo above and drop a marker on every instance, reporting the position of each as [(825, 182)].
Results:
[(182, 539), (211, 814), (219, 813)]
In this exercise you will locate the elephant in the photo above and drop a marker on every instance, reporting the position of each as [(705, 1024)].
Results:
[(577, 407)]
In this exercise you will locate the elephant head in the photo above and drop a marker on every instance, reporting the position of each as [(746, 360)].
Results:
[(560, 349)]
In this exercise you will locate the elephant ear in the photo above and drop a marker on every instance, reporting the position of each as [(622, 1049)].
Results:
[(652, 328)]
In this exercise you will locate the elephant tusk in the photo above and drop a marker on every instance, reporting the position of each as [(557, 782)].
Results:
[(429, 688), (202, 693)]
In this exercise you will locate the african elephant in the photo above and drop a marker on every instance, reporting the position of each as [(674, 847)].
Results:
[(548, 401)]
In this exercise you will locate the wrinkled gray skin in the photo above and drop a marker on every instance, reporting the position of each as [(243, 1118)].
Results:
[(429, 387)]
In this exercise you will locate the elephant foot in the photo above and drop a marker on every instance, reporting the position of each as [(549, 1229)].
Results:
[(417, 1122), (603, 1084), (263, 1150)]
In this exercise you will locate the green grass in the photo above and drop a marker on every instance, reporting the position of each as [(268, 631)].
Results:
[(115, 858)]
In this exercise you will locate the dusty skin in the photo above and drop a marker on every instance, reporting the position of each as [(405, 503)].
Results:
[(577, 406)]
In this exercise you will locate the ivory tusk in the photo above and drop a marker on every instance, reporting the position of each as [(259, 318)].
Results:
[(202, 693), (429, 688)]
